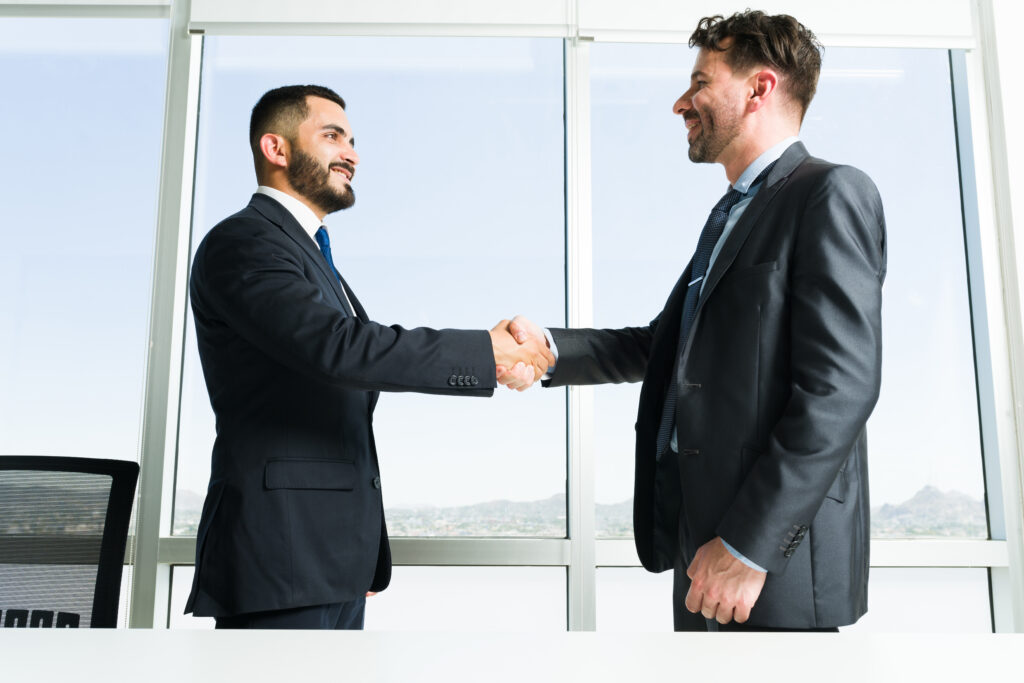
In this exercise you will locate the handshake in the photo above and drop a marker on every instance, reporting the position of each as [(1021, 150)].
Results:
[(521, 353)]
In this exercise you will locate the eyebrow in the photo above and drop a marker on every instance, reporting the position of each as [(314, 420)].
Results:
[(697, 74), (340, 131)]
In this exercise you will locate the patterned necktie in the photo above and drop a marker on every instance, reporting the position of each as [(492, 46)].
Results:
[(323, 240), (709, 237)]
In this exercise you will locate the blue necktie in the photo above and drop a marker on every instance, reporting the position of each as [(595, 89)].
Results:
[(323, 240), (709, 237)]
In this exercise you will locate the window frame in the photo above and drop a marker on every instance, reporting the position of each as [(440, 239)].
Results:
[(958, 26)]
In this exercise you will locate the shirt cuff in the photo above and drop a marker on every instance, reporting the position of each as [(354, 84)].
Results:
[(554, 352), (739, 556)]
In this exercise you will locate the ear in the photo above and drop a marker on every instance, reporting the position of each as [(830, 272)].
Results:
[(763, 86), (275, 149)]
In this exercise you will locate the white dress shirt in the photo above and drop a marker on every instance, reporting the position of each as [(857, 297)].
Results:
[(306, 218)]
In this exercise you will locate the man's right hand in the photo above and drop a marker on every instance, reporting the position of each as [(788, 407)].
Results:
[(522, 376), (519, 363)]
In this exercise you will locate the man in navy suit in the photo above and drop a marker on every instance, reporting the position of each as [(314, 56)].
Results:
[(292, 533)]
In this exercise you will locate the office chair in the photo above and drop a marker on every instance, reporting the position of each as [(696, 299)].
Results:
[(63, 528)]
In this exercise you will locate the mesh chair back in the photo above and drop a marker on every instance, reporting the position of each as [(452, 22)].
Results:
[(63, 529)]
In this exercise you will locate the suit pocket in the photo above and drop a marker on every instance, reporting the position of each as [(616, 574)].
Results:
[(837, 491), (334, 475), (750, 271)]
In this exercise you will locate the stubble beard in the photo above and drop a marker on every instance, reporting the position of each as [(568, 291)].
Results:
[(313, 181), (716, 132)]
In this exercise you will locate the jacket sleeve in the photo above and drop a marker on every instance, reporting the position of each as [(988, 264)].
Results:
[(837, 270), (589, 356), (260, 290)]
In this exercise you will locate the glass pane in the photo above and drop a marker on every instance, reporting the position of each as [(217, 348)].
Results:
[(461, 146), (899, 600), (924, 481), (181, 585), (912, 600), (442, 599), (84, 109), (633, 599), (84, 103), (471, 599)]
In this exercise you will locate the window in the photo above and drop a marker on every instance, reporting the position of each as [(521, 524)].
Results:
[(86, 99), (460, 179), (84, 103), (925, 480)]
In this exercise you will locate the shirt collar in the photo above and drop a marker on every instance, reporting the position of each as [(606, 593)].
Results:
[(302, 213), (743, 183)]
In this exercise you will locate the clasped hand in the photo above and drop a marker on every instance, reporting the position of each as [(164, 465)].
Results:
[(721, 587), (521, 353)]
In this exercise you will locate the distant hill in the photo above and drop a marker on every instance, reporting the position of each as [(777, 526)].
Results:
[(930, 512)]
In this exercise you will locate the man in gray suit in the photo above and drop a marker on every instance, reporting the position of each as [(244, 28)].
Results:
[(763, 367)]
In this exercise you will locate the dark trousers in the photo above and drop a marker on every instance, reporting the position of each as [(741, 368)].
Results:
[(336, 616), (685, 620)]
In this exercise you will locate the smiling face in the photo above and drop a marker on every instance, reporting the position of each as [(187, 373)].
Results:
[(323, 157), (713, 107)]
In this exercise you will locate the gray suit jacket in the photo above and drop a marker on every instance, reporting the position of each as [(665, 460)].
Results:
[(777, 379)]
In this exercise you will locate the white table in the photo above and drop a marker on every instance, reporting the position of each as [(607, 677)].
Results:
[(409, 657)]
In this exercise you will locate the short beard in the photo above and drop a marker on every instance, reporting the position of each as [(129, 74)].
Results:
[(713, 138), (313, 181)]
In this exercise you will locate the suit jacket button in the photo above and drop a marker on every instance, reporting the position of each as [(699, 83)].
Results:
[(453, 380), (376, 482), (474, 380), (788, 553), (462, 380)]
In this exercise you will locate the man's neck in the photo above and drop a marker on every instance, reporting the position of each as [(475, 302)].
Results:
[(282, 185), (740, 155)]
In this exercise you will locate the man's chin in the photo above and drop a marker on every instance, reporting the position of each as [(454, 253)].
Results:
[(343, 201)]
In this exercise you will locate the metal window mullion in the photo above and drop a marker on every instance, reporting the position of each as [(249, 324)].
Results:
[(166, 334), (1000, 271), (429, 551), (582, 613), (885, 552), (100, 10), (985, 385)]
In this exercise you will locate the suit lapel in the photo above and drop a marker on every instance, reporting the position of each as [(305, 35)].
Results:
[(281, 217), (360, 312), (776, 180)]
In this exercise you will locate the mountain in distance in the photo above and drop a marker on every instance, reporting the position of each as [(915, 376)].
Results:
[(929, 513)]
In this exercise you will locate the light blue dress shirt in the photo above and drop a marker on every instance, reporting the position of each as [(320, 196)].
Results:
[(743, 184)]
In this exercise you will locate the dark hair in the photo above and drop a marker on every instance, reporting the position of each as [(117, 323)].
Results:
[(281, 110), (758, 39)]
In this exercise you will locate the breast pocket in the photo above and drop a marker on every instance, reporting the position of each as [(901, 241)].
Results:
[(332, 475), (749, 274)]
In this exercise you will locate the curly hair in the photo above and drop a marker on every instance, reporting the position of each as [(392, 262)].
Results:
[(753, 38)]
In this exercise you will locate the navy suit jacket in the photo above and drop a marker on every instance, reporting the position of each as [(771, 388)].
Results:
[(777, 379), (293, 514)]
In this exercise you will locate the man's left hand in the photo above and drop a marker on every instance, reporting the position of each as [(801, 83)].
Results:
[(722, 588)]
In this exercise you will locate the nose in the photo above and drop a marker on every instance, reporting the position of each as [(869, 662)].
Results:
[(683, 104), (350, 155)]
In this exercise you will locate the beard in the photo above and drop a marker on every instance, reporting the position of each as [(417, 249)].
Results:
[(714, 136), (313, 181)]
